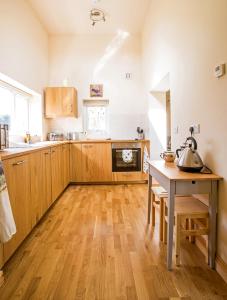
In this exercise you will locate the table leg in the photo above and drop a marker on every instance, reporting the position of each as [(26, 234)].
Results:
[(149, 199), (212, 237), (171, 200)]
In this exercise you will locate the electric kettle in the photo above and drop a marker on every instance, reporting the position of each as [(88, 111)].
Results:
[(189, 159)]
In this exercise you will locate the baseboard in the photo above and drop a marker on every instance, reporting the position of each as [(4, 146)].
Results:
[(221, 267), (109, 182), (1, 278)]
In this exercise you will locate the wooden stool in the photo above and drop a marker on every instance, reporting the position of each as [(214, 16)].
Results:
[(158, 195), (191, 209)]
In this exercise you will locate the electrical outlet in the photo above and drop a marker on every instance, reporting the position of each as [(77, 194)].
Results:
[(196, 128)]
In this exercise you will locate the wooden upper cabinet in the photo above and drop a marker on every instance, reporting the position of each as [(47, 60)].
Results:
[(61, 102)]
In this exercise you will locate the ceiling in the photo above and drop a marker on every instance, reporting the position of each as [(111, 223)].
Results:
[(73, 16)]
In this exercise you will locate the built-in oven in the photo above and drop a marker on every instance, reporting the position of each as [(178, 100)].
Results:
[(126, 157)]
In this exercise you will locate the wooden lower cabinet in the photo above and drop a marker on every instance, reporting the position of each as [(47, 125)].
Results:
[(18, 176), (57, 184), (96, 162), (46, 180), (65, 165), (127, 176), (34, 182), (92, 162), (76, 162), (36, 186)]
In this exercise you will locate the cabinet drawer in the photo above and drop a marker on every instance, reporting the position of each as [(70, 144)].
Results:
[(193, 187), (127, 176)]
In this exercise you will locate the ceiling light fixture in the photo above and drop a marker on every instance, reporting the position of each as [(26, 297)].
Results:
[(97, 15)]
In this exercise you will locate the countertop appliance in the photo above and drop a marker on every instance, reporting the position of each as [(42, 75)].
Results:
[(140, 133), (4, 136), (126, 157), (73, 136), (189, 159), (53, 136)]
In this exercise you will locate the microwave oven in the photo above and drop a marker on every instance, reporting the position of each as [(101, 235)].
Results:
[(4, 136)]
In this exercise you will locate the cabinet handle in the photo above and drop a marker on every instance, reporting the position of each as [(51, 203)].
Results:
[(46, 153), (19, 163), (53, 151), (71, 108)]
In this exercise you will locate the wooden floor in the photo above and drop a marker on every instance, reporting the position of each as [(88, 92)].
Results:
[(95, 244)]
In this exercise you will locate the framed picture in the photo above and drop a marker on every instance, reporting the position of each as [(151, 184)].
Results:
[(96, 90)]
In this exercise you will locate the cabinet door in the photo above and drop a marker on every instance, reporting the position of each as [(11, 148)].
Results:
[(46, 183), (69, 102), (96, 162), (76, 162), (56, 172), (53, 106), (60, 102), (17, 171), (65, 165), (36, 186)]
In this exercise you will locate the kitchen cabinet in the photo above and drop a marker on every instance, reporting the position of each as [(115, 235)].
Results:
[(36, 186), (96, 162), (127, 176), (61, 102), (56, 172), (17, 172), (76, 162), (65, 165), (46, 180)]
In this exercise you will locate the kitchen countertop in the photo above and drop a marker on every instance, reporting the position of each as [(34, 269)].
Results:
[(26, 149)]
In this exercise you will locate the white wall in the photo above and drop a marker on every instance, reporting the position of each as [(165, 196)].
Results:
[(187, 39), (23, 46), (104, 59)]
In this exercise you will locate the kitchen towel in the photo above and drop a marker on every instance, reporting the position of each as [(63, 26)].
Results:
[(145, 160), (127, 156), (7, 223)]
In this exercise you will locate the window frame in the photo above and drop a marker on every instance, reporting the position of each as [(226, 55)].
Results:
[(95, 103), (30, 99)]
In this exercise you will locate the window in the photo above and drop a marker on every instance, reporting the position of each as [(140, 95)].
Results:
[(20, 111), (96, 117)]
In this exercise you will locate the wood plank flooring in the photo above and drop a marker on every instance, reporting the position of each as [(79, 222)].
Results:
[(95, 244)]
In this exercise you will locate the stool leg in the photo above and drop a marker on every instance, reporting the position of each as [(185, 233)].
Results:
[(191, 227), (161, 219), (150, 194), (178, 237), (153, 209), (164, 224)]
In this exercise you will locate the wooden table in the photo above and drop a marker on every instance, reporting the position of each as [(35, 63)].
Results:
[(177, 182)]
